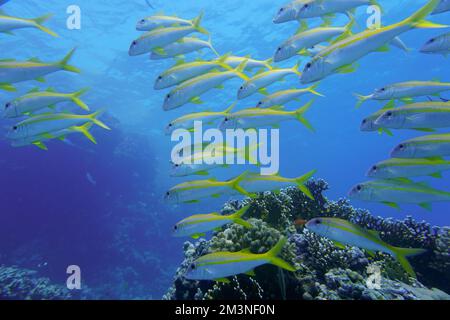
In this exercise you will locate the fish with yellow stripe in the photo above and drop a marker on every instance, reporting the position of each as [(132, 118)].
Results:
[(219, 266), (12, 71), (48, 123), (9, 23), (40, 139), (36, 100), (341, 56), (343, 232), (197, 225)]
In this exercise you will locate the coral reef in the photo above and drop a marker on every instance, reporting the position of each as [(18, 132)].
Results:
[(23, 284), (324, 270)]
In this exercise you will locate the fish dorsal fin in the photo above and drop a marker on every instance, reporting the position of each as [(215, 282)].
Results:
[(435, 159), (389, 105), (339, 245), (303, 27), (402, 180), (34, 59), (277, 108), (251, 273), (34, 90), (374, 233)]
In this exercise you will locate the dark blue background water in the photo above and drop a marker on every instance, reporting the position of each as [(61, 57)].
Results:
[(100, 207)]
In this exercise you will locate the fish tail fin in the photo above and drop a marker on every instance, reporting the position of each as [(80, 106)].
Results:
[(84, 129), (295, 69), (300, 181), (64, 63), (230, 108), (417, 20), (76, 99), (313, 88), (237, 217), (240, 70), (212, 47), (401, 255), (361, 99), (268, 63), (222, 61), (301, 111), (94, 118), (273, 253), (197, 21), (235, 184), (39, 21)]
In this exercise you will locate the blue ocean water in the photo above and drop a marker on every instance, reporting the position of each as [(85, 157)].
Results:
[(101, 206)]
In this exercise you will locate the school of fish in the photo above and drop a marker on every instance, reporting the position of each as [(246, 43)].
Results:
[(37, 114), (331, 50)]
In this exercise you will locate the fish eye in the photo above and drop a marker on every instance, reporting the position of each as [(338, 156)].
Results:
[(359, 188), (318, 221), (305, 6), (170, 125), (226, 119), (389, 113), (281, 10), (401, 147), (168, 96), (241, 88), (259, 103), (143, 21), (7, 105), (279, 49), (134, 43), (364, 121), (431, 41), (15, 128), (175, 227), (167, 193), (308, 65), (383, 89), (193, 266), (374, 168), (160, 78)]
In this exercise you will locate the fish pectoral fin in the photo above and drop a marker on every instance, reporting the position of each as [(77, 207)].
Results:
[(263, 91), (251, 273), (349, 68), (371, 253), (7, 87), (192, 201), (217, 195), (220, 86), (196, 100), (160, 51), (426, 206), (339, 245), (202, 173), (40, 79), (436, 175), (384, 48), (392, 205), (40, 145), (198, 236), (222, 280), (424, 129)]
